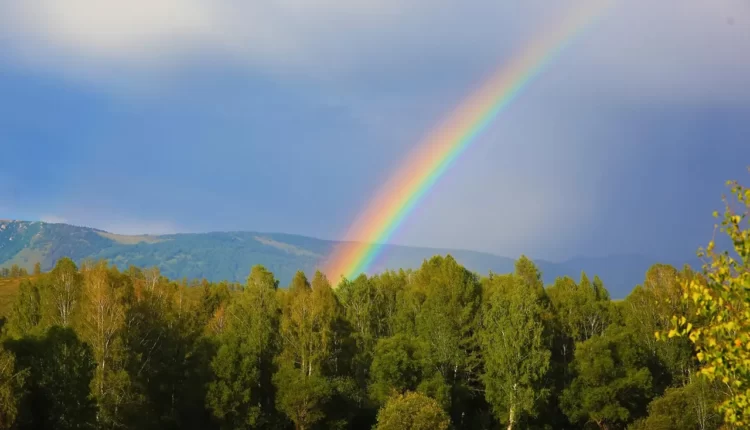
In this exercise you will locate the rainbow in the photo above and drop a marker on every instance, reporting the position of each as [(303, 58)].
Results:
[(422, 169)]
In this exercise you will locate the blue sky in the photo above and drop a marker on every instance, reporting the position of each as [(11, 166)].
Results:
[(172, 116)]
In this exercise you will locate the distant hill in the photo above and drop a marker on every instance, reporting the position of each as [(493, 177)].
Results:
[(229, 255)]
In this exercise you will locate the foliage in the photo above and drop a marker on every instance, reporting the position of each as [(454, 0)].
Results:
[(398, 366), (722, 301), (241, 393), (11, 384), (412, 411), (691, 406), (57, 392), (515, 345), (107, 346), (612, 383)]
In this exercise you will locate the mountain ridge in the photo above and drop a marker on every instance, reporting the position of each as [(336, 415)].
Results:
[(229, 255)]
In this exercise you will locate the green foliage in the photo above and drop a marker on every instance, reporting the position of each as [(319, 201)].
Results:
[(300, 396), (722, 301), (648, 309), (11, 384), (412, 411), (26, 311), (612, 383), (689, 407), (57, 392), (60, 297), (446, 323), (398, 366), (106, 346), (582, 309), (515, 344), (241, 394)]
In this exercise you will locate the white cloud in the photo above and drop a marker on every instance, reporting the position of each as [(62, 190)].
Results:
[(53, 219), (135, 227)]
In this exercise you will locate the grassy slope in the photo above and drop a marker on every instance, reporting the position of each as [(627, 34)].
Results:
[(8, 291)]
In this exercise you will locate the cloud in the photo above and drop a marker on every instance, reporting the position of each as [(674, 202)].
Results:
[(53, 219), (136, 227), (672, 47)]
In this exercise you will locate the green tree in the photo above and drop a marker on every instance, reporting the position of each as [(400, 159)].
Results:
[(168, 359), (446, 322), (15, 271), (62, 293), (60, 369), (397, 367), (241, 394), (689, 407), (103, 304), (722, 301), (515, 347), (301, 397), (612, 384), (308, 329), (26, 312), (412, 411), (648, 309), (11, 385), (37, 268)]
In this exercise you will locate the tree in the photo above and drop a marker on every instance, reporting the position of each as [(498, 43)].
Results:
[(689, 407), (60, 369), (103, 320), (412, 411), (11, 384), (612, 384), (515, 347), (62, 293), (37, 268), (308, 329), (446, 322), (722, 338), (648, 309), (168, 359), (360, 301), (26, 312), (397, 367), (241, 393), (301, 397)]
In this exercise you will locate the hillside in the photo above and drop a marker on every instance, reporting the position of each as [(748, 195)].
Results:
[(229, 255)]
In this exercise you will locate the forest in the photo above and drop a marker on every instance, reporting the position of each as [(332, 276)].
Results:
[(435, 348)]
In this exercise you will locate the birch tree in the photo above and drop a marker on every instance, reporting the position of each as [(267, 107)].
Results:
[(515, 349)]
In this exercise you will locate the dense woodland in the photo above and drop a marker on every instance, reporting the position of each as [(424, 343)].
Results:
[(436, 348)]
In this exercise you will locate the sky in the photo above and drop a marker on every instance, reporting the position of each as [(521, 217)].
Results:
[(286, 116)]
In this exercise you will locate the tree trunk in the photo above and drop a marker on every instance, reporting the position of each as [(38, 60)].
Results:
[(511, 417)]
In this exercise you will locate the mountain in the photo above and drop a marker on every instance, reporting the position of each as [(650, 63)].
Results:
[(229, 255)]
